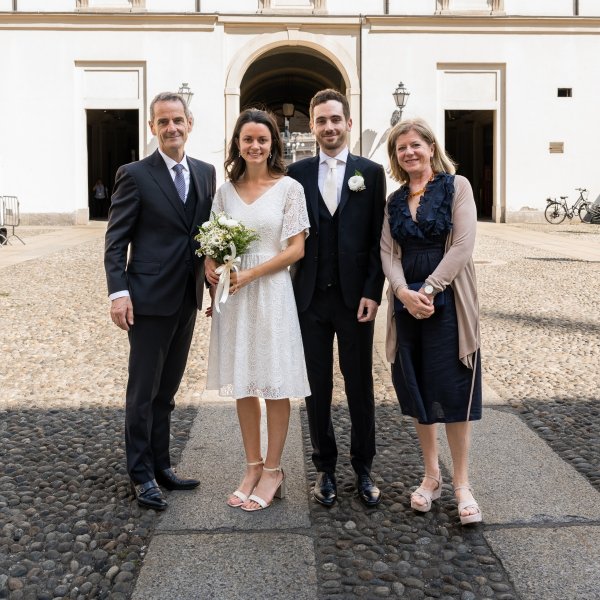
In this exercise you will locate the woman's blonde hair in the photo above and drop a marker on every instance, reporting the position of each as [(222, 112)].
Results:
[(440, 161)]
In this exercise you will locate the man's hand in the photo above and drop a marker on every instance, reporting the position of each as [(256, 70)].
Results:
[(210, 266), (121, 312), (367, 310)]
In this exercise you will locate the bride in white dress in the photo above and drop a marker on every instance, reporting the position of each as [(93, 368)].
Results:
[(255, 342)]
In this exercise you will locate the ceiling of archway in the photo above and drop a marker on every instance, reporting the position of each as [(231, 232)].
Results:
[(283, 76)]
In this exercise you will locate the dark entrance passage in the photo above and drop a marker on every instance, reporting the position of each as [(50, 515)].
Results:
[(283, 81), (112, 141), (470, 142)]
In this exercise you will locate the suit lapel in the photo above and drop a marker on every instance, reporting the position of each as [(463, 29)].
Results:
[(349, 172), (312, 189), (159, 171), (201, 197)]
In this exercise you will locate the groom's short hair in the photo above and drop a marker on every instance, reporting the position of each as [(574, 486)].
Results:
[(329, 94)]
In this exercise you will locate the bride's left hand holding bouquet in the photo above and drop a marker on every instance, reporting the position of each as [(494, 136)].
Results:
[(224, 239)]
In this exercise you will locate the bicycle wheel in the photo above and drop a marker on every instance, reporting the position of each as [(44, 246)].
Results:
[(583, 210), (555, 213)]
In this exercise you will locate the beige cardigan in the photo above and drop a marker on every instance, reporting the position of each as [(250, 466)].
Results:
[(456, 269)]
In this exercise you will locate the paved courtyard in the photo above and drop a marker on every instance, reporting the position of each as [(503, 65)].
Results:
[(69, 529)]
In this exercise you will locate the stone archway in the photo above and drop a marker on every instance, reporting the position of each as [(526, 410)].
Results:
[(272, 68)]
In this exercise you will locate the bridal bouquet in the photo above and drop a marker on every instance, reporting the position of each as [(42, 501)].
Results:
[(224, 239)]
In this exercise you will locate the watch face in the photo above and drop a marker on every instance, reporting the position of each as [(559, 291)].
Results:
[(428, 289)]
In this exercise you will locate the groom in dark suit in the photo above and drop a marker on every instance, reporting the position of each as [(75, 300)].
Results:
[(338, 287), (155, 284)]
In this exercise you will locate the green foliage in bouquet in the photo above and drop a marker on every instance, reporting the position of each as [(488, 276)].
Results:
[(216, 236)]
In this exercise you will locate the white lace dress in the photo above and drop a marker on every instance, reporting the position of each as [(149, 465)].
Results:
[(255, 342)]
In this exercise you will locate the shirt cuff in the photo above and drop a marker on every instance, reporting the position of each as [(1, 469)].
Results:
[(120, 294)]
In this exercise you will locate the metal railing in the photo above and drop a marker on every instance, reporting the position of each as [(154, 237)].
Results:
[(9, 217)]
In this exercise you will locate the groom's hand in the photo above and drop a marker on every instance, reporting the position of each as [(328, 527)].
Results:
[(367, 310), (121, 312)]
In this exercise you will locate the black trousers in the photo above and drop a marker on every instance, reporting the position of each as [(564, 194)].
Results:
[(159, 348), (327, 316)]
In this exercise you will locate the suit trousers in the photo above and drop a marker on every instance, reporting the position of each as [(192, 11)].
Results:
[(326, 316), (159, 348)]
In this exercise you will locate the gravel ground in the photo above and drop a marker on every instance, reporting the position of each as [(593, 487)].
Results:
[(69, 529)]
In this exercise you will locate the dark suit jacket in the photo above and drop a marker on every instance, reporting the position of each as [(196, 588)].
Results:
[(147, 216), (360, 221)]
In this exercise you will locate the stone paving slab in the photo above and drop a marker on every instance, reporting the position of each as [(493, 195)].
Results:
[(586, 250), (40, 246), (232, 566), (517, 478), (550, 563), (214, 454)]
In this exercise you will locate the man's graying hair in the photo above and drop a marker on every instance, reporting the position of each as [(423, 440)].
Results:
[(169, 97)]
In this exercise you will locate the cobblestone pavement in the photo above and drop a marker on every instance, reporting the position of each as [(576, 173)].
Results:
[(69, 529)]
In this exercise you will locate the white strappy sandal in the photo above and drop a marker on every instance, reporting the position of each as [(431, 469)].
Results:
[(468, 519), (279, 493), (428, 495), (239, 494)]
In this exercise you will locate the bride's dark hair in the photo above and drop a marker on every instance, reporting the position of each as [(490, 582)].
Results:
[(235, 165)]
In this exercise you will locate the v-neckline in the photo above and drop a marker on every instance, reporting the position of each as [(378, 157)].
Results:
[(259, 196)]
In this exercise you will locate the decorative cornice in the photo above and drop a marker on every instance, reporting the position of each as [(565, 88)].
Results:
[(113, 21), (451, 24), (483, 24)]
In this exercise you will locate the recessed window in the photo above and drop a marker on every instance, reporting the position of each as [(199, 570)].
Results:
[(565, 92), (557, 147)]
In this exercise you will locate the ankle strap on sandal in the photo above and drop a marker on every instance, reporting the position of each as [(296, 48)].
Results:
[(431, 477), (273, 470), (254, 464), (463, 487)]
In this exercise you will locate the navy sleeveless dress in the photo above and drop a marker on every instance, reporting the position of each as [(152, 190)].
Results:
[(431, 383)]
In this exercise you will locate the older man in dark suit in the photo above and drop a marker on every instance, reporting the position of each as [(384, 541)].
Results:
[(338, 287), (155, 284)]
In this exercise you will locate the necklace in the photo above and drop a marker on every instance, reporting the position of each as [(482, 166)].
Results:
[(419, 192)]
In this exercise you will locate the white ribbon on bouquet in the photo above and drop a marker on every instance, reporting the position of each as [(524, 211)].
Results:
[(231, 263)]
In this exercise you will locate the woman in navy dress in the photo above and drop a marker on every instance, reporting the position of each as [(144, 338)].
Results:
[(433, 313)]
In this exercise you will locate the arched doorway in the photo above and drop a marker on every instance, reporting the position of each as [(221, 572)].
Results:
[(284, 80)]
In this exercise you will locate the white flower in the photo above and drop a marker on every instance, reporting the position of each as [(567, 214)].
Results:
[(231, 223), (357, 182), (205, 225), (222, 220)]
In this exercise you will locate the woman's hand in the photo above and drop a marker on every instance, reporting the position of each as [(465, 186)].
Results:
[(210, 266), (417, 303), (239, 279)]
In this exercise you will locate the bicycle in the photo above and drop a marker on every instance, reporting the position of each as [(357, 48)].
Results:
[(556, 211)]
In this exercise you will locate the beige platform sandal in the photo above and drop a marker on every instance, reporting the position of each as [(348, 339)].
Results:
[(468, 519), (428, 495), (239, 494), (279, 493)]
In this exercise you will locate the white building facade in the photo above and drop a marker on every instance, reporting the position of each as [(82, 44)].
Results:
[(511, 87)]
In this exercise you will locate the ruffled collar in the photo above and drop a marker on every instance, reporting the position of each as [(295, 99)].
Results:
[(434, 213)]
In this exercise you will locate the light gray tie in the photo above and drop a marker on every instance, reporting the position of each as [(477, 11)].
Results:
[(180, 181), (330, 185)]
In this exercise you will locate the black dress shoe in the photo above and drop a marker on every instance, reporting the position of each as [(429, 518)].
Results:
[(368, 492), (148, 495), (325, 490), (169, 480)]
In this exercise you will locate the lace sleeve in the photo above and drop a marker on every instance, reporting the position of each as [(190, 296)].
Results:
[(295, 215), (217, 205)]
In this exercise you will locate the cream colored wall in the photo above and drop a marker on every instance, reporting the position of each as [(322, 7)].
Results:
[(534, 115), (45, 111), (47, 115)]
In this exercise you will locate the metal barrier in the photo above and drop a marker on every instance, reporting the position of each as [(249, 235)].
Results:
[(9, 217)]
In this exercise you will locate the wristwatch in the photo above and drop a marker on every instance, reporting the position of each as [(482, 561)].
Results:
[(428, 289)]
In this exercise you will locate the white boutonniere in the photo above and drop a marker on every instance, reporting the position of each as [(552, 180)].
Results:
[(357, 182)]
